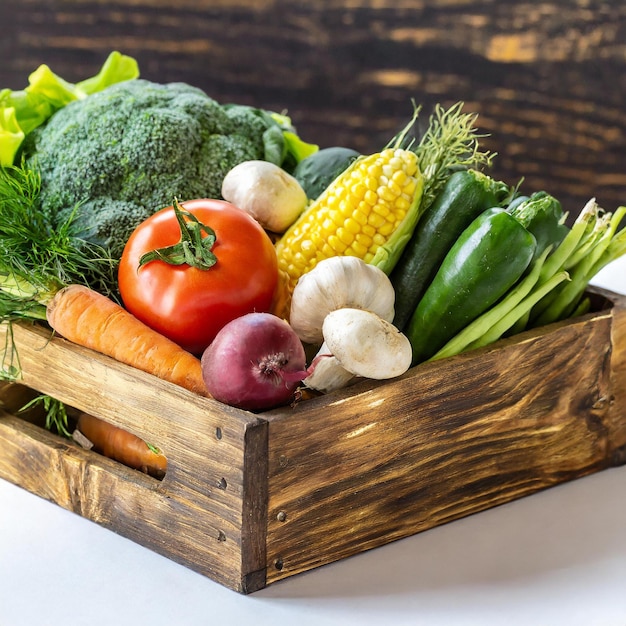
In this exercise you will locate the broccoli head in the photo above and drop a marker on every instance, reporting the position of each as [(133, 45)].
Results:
[(125, 152)]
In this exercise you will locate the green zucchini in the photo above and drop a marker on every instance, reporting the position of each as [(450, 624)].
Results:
[(488, 258), (466, 195), (317, 171)]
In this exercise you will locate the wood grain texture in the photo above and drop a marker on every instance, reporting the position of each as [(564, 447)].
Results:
[(617, 398), (207, 511), (446, 441), (176, 523), (250, 499), (548, 80)]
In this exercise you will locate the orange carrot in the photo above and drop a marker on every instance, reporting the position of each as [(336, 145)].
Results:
[(92, 320), (122, 446)]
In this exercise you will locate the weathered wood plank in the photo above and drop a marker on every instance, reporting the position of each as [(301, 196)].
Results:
[(548, 80), (248, 500), (212, 493), (176, 524), (179, 422), (617, 399), (451, 439)]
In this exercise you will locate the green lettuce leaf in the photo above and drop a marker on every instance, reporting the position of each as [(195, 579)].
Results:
[(21, 111)]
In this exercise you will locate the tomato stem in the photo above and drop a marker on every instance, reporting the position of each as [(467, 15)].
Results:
[(193, 249)]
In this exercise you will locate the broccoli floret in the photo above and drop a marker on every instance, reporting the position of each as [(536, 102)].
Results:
[(129, 150), (249, 122), (105, 221)]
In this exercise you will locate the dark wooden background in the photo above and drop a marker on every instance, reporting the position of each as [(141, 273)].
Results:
[(547, 79)]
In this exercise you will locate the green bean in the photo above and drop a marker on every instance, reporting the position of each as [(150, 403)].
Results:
[(583, 234), (568, 297), (506, 322)]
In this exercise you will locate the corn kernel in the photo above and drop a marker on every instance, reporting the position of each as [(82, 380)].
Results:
[(327, 250), (375, 170), (360, 215), (363, 240), (375, 220), (371, 197), (336, 217), (400, 178), (411, 167), (343, 208), (378, 239), (299, 260), (339, 190), (336, 244), (402, 204), (352, 226), (386, 194), (410, 187), (328, 225), (357, 249), (395, 189), (307, 248), (345, 236), (381, 209), (371, 183), (317, 240), (368, 230), (385, 230), (357, 191)]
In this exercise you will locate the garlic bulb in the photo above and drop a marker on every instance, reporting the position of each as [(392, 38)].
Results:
[(335, 283)]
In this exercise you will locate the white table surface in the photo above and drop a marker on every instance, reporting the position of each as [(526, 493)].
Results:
[(554, 558)]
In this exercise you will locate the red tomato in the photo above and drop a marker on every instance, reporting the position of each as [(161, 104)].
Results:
[(187, 304)]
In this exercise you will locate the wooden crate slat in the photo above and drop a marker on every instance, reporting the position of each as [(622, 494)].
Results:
[(463, 435), (251, 499)]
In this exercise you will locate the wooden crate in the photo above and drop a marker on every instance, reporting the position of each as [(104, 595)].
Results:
[(251, 499)]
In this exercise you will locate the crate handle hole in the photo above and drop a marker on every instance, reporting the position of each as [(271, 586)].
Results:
[(113, 442), (94, 433)]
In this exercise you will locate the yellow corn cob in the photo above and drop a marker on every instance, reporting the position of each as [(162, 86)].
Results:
[(355, 215)]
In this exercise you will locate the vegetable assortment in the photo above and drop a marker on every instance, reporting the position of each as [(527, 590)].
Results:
[(127, 151), (371, 209), (275, 268)]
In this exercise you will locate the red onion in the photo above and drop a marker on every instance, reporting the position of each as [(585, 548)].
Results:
[(255, 362)]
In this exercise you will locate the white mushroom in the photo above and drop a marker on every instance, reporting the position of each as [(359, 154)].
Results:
[(272, 196), (367, 345), (327, 374)]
